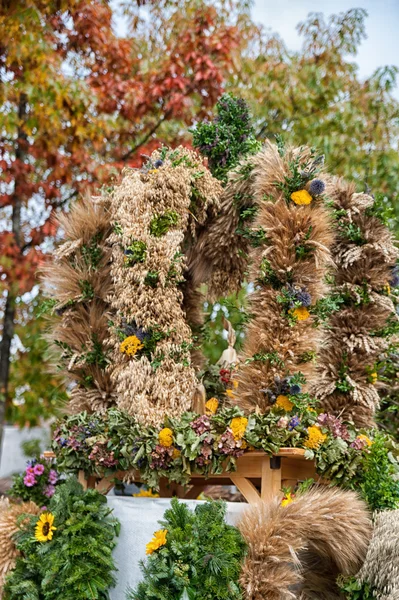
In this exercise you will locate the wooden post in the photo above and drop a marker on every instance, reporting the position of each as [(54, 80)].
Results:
[(271, 478)]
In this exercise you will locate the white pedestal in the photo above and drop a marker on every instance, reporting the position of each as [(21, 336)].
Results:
[(139, 519)]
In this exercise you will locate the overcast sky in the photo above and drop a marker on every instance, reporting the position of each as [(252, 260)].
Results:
[(382, 26)]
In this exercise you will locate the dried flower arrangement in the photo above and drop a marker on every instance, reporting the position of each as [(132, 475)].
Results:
[(78, 282), (155, 214), (360, 328), (291, 235)]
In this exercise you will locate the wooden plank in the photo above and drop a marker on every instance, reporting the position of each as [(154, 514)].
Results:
[(292, 452), (271, 481), (82, 479), (195, 490), (247, 488), (105, 484), (48, 454)]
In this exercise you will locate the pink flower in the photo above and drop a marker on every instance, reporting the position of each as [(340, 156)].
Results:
[(29, 480), (53, 476), (38, 469), (49, 491), (29, 471), (282, 423)]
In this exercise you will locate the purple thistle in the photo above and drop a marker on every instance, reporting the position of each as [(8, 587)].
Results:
[(317, 187), (394, 280), (133, 329), (299, 294)]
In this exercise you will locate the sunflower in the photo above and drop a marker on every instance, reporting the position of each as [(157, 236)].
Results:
[(44, 527), (157, 541)]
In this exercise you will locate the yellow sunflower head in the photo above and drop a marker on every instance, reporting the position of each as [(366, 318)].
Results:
[(301, 197), (157, 541), (44, 527)]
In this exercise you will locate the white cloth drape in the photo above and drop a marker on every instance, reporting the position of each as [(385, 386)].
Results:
[(139, 519)]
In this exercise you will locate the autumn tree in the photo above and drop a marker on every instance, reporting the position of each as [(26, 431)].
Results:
[(316, 97), (79, 103)]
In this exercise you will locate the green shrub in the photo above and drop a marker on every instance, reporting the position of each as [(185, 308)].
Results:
[(200, 560), (77, 563)]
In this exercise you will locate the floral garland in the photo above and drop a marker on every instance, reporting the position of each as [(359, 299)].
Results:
[(210, 444)]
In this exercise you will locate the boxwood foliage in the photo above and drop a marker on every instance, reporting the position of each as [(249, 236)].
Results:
[(200, 560), (77, 562)]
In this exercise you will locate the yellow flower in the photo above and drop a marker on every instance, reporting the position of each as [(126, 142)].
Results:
[(230, 393), (131, 345), (153, 170), (365, 439), (238, 426), (373, 377), (235, 383), (157, 541), (44, 527), (146, 494), (301, 313), (315, 438), (284, 402), (176, 453), (211, 406), (387, 288), (288, 498), (301, 197), (165, 437)]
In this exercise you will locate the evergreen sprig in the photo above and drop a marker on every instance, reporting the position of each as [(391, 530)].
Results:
[(201, 558), (77, 562), (229, 137)]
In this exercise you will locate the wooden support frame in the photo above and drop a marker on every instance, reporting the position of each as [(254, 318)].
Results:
[(259, 477)]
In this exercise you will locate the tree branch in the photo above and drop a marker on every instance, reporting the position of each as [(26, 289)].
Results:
[(129, 153)]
